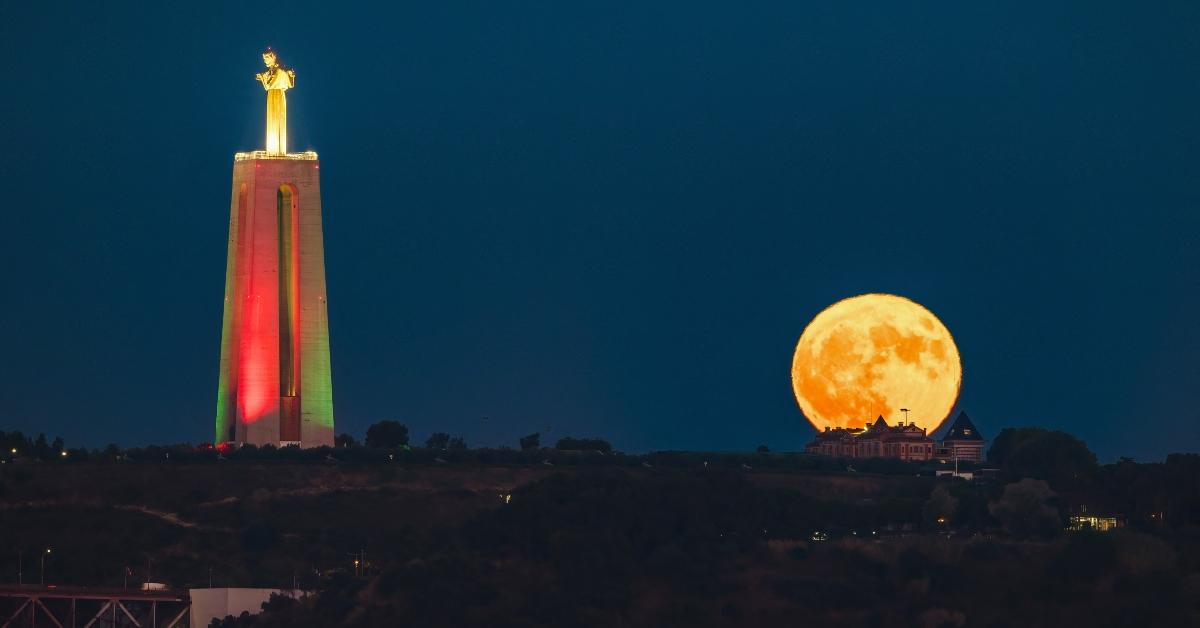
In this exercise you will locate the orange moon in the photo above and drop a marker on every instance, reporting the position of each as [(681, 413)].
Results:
[(872, 355)]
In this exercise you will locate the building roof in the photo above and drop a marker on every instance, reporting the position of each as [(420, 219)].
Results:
[(963, 429), (877, 431)]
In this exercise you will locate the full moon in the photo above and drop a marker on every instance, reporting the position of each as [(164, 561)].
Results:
[(872, 355)]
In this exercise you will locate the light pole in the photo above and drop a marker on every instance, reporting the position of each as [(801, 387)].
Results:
[(20, 569), (43, 566), (360, 562)]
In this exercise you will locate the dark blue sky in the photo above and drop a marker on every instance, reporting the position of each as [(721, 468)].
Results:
[(614, 219)]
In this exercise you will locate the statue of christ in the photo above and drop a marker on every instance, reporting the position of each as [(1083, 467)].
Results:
[(276, 80)]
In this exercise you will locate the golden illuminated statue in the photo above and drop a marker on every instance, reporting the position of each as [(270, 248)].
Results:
[(276, 80)]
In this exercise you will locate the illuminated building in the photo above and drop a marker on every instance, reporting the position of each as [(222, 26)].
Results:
[(1085, 520), (1090, 522), (877, 440), (275, 386), (962, 441)]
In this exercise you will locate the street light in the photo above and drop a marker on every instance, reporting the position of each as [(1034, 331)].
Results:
[(360, 562), (43, 570)]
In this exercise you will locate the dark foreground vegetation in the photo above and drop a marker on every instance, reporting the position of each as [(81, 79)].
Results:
[(391, 535)]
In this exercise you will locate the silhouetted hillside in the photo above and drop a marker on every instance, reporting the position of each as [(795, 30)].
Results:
[(553, 538)]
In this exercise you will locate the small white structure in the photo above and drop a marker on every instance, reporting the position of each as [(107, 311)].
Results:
[(210, 604), (966, 475)]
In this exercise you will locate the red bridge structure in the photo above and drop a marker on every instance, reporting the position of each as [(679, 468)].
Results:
[(86, 607)]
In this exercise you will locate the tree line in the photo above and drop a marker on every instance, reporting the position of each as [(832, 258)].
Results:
[(1043, 469), (389, 434), (18, 444)]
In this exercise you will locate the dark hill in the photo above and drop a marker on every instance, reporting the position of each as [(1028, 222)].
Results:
[(668, 542)]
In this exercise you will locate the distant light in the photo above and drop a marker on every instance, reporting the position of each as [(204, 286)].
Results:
[(63, 454), (47, 550), (14, 450)]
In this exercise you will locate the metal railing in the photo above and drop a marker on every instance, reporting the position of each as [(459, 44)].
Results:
[(307, 155)]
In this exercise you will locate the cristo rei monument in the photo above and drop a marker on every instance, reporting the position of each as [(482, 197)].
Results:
[(275, 386)]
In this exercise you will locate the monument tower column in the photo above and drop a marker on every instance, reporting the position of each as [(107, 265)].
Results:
[(275, 385)]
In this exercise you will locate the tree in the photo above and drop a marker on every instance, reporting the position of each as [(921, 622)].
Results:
[(1025, 510), (583, 444), (1050, 455), (438, 440), (1085, 558), (41, 449), (345, 440), (939, 509), (458, 442), (532, 441), (763, 449), (387, 435), (16, 440)]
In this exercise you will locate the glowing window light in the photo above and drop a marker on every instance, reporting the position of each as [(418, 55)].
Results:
[(1090, 522)]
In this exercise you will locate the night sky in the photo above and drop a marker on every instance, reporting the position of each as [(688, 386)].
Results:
[(612, 219)]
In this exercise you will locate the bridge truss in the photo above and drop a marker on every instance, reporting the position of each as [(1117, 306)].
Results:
[(65, 607)]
